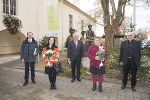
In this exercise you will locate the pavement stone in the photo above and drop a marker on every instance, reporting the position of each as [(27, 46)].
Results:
[(12, 78), (7, 58)]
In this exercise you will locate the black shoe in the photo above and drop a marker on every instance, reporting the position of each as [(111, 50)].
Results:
[(133, 89), (51, 87), (33, 81), (25, 83), (94, 87), (100, 88), (73, 79), (123, 87), (79, 79), (54, 86)]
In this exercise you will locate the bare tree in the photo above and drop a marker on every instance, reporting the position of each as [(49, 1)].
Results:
[(111, 12), (117, 14)]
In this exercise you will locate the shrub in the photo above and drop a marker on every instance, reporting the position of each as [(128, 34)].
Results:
[(42, 43), (115, 70)]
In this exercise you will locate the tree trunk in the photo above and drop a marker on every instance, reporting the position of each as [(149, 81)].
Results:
[(107, 27), (108, 37), (118, 15)]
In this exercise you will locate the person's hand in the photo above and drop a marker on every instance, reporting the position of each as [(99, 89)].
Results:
[(121, 63), (54, 54), (34, 53), (22, 60), (68, 59), (102, 60), (51, 65), (82, 59), (97, 58)]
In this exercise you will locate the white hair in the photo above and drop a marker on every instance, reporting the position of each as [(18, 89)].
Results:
[(130, 33), (75, 34)]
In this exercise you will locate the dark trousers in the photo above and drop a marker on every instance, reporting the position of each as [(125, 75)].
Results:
[(52, 76), (130, 66), (77, 64), (32, 64)]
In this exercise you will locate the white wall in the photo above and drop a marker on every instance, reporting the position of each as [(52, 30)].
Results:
[(77, 17), (2, 27), (26, 12)]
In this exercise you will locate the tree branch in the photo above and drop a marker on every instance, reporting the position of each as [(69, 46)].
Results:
[(105, 6), (123, 13), (113, 8)]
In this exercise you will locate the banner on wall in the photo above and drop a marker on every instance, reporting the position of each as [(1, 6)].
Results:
[(52, 24)]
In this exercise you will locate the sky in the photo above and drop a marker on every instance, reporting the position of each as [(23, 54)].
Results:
[(142, 14)]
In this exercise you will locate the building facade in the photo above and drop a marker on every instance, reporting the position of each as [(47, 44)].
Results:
[(32, 15), (97, 13)]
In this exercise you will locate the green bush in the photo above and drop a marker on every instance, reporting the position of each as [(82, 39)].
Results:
[(142, 71), (43, 42), (112, 64)]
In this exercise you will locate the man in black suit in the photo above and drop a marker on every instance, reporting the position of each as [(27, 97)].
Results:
[(75, 53), (130, 59)]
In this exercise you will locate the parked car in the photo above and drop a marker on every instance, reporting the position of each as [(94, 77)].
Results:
[(145, 44)]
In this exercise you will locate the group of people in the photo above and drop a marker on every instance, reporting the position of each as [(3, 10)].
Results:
[(129, 59)]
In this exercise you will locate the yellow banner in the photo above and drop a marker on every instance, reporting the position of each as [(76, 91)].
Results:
[(52, 24)]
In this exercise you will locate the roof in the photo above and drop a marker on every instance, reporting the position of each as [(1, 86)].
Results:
[(79, 10)]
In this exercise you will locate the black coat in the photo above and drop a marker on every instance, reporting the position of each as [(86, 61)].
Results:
[(75, 53), (27, 50), (124, 52)]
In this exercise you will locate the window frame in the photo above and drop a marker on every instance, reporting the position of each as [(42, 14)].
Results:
[(70, 21), (82, 25), (10, 7)]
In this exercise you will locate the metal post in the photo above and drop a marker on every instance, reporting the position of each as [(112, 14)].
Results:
[(37, 25), (134, 15), (62, 24)]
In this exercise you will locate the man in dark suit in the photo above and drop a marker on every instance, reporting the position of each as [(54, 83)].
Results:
[(130, 59), (75, 53)]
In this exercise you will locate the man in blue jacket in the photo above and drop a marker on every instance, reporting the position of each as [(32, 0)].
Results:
[(29, 49)]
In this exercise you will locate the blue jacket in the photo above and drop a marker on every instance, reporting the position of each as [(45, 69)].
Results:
[(27, 50)]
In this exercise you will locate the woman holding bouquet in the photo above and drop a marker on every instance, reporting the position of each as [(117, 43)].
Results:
[(50, 55), (97, 55)]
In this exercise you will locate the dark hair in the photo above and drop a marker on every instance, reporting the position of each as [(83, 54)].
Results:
[(53, 45), (89, 25), (29, 32), (96, 37)]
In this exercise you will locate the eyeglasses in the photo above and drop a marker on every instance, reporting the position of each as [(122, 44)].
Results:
[(129, 35)]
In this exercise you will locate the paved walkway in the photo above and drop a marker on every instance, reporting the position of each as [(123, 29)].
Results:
[(8, 58), (11, 81)]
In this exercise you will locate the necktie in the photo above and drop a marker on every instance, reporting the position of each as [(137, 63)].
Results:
[(76, 43)]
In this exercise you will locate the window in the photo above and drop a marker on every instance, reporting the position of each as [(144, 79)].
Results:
[(82, 25), (9, 7), (70, 21)]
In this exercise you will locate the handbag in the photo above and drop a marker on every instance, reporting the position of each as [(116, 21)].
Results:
[(58, 67), (47, 69)]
